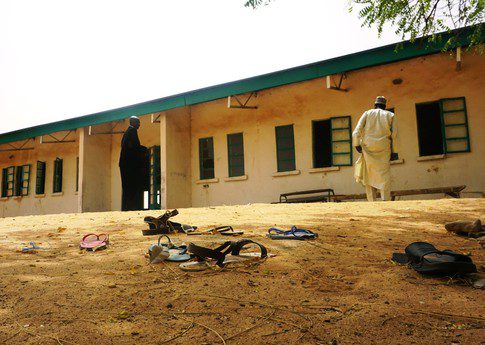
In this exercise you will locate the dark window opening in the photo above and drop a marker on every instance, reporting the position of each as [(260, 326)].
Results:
[(57, 184), (322, 144), (235, 152), (430, 135), (4, 182), (77, 174), (19, 172), (40, 178), (285, 148), (206, 158)]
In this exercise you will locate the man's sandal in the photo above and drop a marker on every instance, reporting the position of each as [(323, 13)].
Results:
[(227, 253)]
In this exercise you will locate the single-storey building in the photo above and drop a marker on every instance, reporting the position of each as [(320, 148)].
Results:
[(250, 140)]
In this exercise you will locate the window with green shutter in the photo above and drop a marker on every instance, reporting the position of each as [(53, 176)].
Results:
[(57, 183), (235, 154), (285, 148), (206, 158), (341, 137), (8, 181), (22, 180), (40, 178), (332, 144), (442, 127)]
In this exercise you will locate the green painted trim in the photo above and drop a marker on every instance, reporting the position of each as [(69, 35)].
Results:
[(456, 125), (367, 58), (457, 138), (453, 111)]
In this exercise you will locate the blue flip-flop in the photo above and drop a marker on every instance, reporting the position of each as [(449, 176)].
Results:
[(33, 247), (175, 253), (293, 234)]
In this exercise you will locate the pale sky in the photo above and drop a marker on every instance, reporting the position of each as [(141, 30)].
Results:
[(63, 58)]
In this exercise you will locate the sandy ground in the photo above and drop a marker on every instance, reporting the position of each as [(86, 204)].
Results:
[(340, 289)]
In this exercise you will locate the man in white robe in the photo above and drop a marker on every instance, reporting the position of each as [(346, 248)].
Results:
[(375, 138)]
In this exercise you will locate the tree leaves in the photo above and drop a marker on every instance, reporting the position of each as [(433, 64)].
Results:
[(418, 18)]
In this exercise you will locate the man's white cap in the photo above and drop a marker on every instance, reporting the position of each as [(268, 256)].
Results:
[(381, 100)]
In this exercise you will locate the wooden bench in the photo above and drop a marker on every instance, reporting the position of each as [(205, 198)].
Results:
[(451, 191), (323, 195)]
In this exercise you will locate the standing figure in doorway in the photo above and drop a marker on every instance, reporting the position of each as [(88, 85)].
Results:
[(131, 167), (375, 138)]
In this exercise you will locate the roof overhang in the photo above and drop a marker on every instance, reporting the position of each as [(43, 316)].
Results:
[(368, 58)]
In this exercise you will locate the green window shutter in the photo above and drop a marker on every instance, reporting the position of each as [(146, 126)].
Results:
[(206, 158), (25, 179), (341, 137), (57, 183), (10, 181), (40, 178), (454, 118), (235, 154), (154, 192), (285, 148)]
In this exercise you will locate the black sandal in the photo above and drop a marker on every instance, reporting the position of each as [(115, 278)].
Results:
[(425, 258), (220, 257), (162, 225)]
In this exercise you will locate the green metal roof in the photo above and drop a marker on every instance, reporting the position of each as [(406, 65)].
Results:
[(367, 58)]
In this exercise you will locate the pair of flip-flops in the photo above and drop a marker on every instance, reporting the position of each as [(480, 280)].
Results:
[(293, 234), (425, 258), (93, 242), (32, 248), (167, 251), (225, 230), (162, 225), (227, 253)]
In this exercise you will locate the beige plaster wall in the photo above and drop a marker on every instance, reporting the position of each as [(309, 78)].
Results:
[(65, 202), (95, 153), (149, 134), (175, 135), (424, 79)]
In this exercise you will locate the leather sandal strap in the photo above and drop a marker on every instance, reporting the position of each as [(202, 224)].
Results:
[(219, 253), (237, 246)]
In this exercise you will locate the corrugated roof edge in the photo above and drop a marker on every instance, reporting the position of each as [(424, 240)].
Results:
[(367, 58)]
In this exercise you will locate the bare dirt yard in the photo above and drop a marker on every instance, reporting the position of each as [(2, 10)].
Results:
[(339, 289)]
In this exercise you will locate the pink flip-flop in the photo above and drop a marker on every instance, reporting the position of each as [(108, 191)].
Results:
[(94, 242)]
